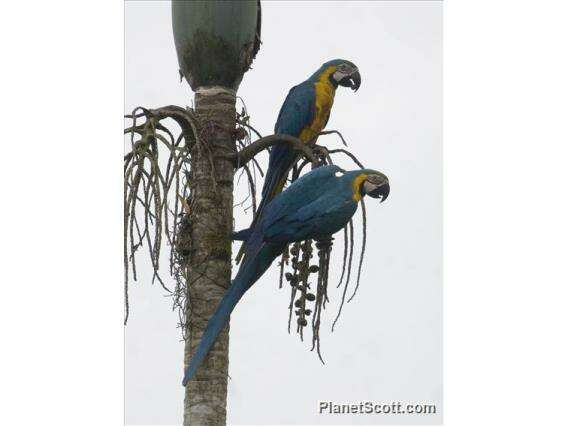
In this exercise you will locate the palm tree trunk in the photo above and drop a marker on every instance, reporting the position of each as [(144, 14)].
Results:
[(209, 265)]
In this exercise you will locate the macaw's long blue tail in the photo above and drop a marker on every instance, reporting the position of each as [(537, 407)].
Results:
[(215, 325), (282, 158), (250, 271)]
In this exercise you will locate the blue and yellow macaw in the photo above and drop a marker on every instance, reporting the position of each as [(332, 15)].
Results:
[(316, 206), (304, 114)]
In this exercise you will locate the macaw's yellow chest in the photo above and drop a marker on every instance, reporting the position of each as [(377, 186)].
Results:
[(325, 92)]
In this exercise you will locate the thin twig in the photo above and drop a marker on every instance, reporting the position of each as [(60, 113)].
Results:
[(247, 153), (333, 151), (329, 132), (363, 245)]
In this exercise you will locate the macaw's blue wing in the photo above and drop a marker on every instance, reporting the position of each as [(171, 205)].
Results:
[(297, 112), (298, 109), (303, 191), (307, 189), (242, 235), (315, 207)]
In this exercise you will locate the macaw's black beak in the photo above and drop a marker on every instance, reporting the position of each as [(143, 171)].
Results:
[(353, 80), (381, 191)]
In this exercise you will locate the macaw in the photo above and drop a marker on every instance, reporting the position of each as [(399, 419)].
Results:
[(304, 114), (315, 206)]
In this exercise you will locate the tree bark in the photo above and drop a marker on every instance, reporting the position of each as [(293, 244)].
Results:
[(209, 260)]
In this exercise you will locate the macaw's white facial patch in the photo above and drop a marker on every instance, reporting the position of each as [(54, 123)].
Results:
[(338, 76), (369, 187), (339, 173)]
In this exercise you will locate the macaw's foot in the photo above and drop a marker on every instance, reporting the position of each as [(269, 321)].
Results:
[(322, 154), (241, 235), (324, 243)]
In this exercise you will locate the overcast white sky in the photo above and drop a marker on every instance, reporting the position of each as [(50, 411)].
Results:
[(388, 344)]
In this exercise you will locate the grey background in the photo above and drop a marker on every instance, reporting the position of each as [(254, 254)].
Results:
[(387, 345)]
